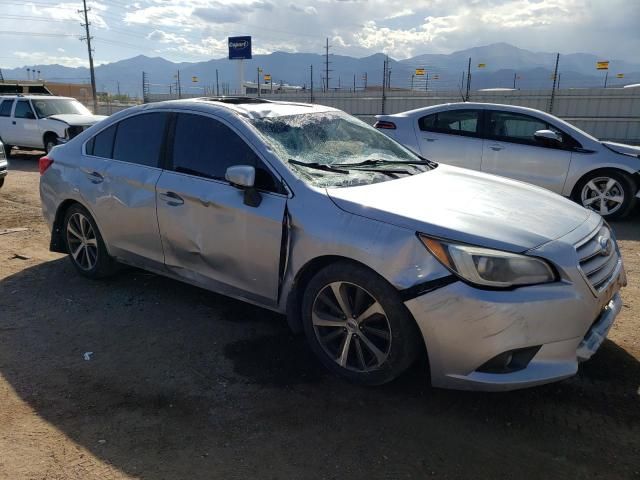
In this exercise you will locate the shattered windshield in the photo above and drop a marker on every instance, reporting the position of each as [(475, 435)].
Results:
[(334, 149)]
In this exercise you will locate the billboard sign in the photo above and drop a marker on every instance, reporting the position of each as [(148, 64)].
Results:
[(419, 71), (602, 65), (239, 48)]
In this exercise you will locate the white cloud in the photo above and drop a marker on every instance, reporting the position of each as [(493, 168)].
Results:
[(405, 12), (38, 58)]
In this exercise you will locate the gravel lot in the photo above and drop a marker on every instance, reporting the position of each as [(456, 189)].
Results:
[(186, 384)]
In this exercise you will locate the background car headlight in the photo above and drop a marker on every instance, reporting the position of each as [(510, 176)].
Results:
[(491, 268)]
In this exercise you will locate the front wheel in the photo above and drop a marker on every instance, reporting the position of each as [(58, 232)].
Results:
[(609, 193), (357, 325), (86, 248), (49, 143)]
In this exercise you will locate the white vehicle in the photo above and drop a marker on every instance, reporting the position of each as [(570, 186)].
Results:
[(41, 121), (524, 144)]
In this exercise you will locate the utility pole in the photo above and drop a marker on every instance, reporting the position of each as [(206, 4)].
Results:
[(384, 82), (88, 38), (145, 88), (217, 85), (606, 76), (426, 81), (118, 87), (515, 75), (326, 64), (365, 81), (311, 69), (178, 85), (412, 75), (466, 98), (553, 89)]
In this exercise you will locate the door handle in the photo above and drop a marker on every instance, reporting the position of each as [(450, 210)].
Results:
[(95, 177), (496, 148), (172, 199), (430, 139)]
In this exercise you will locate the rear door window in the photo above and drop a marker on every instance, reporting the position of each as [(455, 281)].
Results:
[(140, 139), (23, 110), (5, 108), (454, 122), (206, 147)]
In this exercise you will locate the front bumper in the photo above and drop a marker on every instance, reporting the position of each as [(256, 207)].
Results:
[(465, 327)]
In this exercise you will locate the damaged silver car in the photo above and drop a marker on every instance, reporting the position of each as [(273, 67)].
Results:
[(378, 255)]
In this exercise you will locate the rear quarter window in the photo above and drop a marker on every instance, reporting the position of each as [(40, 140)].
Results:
[(139, 139)]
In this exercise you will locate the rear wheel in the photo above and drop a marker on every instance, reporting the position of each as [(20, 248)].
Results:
[(357, 325), (610, 193), (85, 245)]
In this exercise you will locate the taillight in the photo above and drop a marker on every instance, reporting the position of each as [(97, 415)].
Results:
[(44, 163), (386, 125)]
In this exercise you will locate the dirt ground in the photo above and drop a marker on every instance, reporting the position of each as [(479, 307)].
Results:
[(185, 384)]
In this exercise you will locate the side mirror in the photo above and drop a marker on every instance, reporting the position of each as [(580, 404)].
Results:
[(244, 177), (548, 135)]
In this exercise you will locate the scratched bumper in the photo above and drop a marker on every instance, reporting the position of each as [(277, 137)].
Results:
[(465, 327)]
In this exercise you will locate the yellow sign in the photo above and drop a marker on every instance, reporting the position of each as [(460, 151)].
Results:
[(602, 65), (419, 71), (482, 65), (267, 78), (620, 75), (194, 79)]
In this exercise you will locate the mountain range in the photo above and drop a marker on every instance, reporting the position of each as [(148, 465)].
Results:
[(502, 65)]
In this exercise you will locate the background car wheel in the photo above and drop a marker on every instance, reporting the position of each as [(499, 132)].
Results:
[(357, 325), (610, 193), (49, 142), (85, 245)]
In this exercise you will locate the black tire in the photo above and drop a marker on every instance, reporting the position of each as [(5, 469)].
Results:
[(1, 182), (103, 265), (402, 346), (7, 150), (50, 141), (588, 198)]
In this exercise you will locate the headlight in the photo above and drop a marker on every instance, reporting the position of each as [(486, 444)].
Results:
[(490, 268)]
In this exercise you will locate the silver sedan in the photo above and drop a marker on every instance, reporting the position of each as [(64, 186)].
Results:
[(527, 145), (377, 255)]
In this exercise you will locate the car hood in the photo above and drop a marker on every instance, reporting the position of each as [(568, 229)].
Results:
[(623, 149), (74, 119), (466, 206)]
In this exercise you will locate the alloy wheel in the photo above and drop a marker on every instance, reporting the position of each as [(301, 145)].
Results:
[(82, 241), (604, 195), (351, 326)]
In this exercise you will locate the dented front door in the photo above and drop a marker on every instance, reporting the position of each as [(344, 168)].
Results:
[(210, 237)]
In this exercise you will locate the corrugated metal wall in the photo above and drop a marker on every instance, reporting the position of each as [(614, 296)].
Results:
[(611, 114)]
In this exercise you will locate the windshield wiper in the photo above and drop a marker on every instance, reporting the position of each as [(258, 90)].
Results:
[(318, 166), (372, 163)]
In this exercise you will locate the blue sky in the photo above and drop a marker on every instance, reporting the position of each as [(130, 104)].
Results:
[(46, 31)]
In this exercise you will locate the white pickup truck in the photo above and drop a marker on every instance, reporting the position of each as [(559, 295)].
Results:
[(41, 121)]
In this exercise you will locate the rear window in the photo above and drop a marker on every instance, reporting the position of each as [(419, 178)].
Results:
[(455, 122), (5, 108)]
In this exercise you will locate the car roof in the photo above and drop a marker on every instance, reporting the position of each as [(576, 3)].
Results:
[(29, 96), (467, 105), (248, 107)]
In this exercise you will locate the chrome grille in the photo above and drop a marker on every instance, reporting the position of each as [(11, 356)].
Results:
[(598, 258)]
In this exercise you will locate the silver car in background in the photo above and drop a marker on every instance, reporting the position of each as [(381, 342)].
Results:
[(524, 144), (379, 256)]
